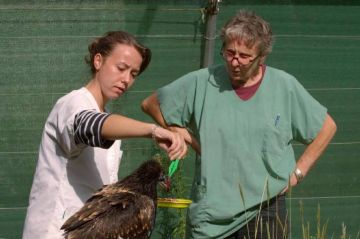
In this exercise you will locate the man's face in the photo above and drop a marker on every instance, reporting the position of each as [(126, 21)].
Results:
[(242, 62)]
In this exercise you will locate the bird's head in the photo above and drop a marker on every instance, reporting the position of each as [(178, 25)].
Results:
[(151, 173), (164, 182)]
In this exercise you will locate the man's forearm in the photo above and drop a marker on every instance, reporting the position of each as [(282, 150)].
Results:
[(314, 150), (151, 106)]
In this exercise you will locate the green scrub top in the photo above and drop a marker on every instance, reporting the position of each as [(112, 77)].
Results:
[(246, 152)]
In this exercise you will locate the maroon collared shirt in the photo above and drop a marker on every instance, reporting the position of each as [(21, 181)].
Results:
[(246, 93)]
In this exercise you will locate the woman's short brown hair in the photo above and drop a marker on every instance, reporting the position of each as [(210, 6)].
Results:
[(105, 44)]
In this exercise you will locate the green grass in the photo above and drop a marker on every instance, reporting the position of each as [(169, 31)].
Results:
[(172, 222)]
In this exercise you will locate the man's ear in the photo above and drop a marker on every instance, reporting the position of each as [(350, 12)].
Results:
[(98, 59), (262, 59)]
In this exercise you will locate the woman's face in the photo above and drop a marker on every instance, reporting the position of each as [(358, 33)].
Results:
[(117, 72)]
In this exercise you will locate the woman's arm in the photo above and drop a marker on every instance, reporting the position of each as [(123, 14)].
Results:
[(118, 127)]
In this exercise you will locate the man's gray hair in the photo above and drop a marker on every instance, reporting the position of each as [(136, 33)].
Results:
[(249, 28)]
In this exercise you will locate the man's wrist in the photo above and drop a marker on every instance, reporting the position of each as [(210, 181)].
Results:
[(299, 175)]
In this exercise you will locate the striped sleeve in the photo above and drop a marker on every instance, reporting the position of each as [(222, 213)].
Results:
[(87, 129)]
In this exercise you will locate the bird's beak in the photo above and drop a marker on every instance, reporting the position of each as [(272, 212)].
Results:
[(165, 182)]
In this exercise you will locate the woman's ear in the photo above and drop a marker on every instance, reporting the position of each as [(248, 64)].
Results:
[(98, 61)]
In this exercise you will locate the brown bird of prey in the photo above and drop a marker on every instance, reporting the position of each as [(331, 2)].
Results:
[(123, 210)]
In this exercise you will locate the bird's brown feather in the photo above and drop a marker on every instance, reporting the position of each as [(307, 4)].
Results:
[(123, 209)]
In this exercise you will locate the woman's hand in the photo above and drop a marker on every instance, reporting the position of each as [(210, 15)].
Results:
[(189, 138), (172, 142)]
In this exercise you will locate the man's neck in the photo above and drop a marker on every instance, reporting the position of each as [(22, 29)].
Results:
[(249, 81)]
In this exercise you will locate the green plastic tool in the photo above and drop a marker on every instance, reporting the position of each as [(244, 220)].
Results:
[(173, 166)]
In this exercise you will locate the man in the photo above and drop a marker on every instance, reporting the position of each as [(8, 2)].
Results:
[(242, 117)]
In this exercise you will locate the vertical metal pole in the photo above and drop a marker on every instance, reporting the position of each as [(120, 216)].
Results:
[(210, 33)]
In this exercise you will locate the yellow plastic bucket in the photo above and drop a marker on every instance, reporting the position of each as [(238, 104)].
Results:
[(173, 202)]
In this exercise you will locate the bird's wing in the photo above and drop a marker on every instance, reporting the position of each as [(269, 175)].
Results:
[(88, 212), (114, 211), (132, 217), (93, 207)]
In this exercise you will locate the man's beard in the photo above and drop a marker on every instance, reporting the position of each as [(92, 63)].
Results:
[(247, 72), (253, 69)]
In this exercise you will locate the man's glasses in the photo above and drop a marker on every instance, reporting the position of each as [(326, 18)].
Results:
[(229, 56)]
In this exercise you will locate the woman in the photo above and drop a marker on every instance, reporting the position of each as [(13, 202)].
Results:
[(80, 148)]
